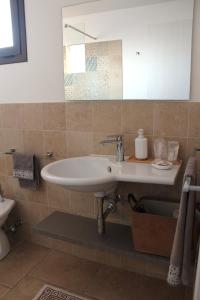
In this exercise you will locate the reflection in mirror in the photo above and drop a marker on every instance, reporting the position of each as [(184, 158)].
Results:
[(128, 49)]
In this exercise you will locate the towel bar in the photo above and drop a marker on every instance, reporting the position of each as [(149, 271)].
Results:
[(12, 150), (188, 187)]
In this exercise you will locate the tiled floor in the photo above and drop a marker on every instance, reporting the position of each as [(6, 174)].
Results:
[(29, 267)]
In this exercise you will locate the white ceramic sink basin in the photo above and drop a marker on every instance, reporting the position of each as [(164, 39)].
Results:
[(85, 174), (100, 174)]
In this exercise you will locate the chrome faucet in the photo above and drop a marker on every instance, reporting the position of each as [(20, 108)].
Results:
[(118, 140)]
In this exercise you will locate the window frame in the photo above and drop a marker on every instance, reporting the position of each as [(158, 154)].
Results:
[(17, 53)]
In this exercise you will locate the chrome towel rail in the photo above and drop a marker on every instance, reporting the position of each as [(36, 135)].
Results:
[(187, 187), (12, 150)]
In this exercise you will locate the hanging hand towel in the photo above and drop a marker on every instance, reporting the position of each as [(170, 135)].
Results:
[(26, 169), (181, 260)]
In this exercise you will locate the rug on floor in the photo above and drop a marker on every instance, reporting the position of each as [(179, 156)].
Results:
[(49, 292)]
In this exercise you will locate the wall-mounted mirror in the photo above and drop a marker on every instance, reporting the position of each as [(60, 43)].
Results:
[(130, 49)]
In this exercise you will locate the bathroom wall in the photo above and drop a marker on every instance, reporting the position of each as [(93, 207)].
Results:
[(41, 78), (75, 129)]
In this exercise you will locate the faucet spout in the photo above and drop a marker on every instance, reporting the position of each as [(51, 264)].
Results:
[(118, 140)]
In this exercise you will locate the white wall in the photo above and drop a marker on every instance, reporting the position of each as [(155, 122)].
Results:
[(41, 79), (195, 77)]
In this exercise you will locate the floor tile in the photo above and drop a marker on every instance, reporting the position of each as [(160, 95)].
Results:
[(19, 262), (114, 284), (26, 289), (3, 291), (66, 271)]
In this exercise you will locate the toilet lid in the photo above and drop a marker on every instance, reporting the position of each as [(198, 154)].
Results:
[(6, 206)]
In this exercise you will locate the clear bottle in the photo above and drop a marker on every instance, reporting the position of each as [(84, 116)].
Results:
[(141, 145)]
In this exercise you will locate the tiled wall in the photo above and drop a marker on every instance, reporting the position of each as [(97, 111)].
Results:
[(103, 76), (76, 128)]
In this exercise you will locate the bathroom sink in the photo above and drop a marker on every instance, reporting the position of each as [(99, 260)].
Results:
[(83, 174), (101, 174)]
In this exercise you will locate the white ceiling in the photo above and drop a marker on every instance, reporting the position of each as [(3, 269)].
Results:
[(97, 6)]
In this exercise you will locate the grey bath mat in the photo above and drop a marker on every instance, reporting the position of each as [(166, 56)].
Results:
[(49, 292)]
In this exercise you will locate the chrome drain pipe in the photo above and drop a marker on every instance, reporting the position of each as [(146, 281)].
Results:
[(102, 215), (100, 218)]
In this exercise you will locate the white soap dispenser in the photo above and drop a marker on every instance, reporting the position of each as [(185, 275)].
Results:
[(141, 145)]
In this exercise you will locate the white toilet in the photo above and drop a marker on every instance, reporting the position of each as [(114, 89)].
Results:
[(6, 205)]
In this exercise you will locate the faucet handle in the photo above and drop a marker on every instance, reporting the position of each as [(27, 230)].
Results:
[(117, 137)]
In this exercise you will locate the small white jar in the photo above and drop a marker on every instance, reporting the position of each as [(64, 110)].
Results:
[(141, 145)]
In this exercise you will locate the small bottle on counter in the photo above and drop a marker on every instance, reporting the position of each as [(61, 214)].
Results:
[(141, 146)]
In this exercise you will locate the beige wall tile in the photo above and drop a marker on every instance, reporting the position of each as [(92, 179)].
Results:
[(12, 139), (55, 141), (107, 116), (194, 124), (58, 197), (138, 115), (33, 142), (32, 117), (98, 148), (11, 116), (12, 185), (9, 164), (129, 144), (38, 196), (79, 143), (192, 144), (32, 212), (7, 187), (171, 119), (79, 116), (54, 116), (3, 170), (82, 204)]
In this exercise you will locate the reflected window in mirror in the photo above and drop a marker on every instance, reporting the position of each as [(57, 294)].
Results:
[(133, 50)]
